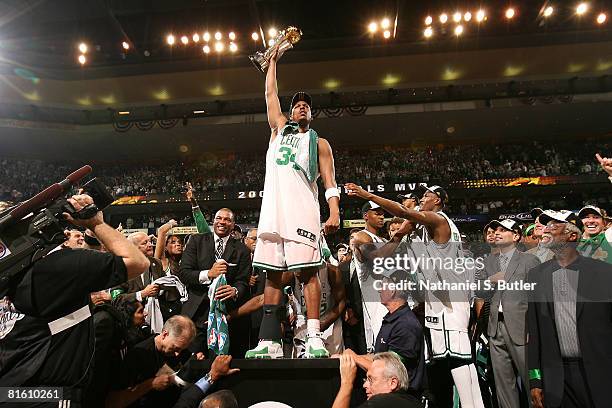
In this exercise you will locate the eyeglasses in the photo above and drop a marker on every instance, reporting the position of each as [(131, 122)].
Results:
[(372, 380)]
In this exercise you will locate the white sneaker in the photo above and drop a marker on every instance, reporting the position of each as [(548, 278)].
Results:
[(315, 348), (266, 349)]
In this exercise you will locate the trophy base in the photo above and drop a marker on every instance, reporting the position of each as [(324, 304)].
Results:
[(257, 63)]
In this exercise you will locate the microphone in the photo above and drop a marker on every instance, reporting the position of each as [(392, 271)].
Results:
[(44, 197)]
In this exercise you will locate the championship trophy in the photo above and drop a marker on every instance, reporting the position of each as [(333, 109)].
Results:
[(283, 41)]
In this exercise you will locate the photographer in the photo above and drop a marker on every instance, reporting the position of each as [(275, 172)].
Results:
[(47, 337)]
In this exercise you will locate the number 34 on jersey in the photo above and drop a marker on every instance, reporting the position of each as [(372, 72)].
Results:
[(286, 151)]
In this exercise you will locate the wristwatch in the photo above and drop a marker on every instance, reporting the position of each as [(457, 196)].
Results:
[(208, 378)]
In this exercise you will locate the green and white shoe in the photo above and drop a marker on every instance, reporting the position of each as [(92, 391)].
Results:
[(266, 349), (315, 348)]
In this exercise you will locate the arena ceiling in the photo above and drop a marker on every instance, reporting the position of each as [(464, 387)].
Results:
[(39, 47), (502, 121)]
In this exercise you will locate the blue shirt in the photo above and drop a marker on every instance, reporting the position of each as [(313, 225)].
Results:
[(402, 333)]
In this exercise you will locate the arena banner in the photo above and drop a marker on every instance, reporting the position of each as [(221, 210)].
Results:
[(403, 187), (192, 229), (133, 200), (478, 218), (128, 231), (524, 216), (523, 181)]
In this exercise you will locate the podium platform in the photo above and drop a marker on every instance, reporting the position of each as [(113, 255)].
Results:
[(299, 383)]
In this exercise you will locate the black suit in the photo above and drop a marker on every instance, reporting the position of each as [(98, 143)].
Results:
[(199, 255), (190, 397), (593, 327)]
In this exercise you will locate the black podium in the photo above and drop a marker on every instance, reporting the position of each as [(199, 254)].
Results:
[(299, 383)]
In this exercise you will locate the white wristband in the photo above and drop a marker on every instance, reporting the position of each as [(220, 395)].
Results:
[(332, 192)]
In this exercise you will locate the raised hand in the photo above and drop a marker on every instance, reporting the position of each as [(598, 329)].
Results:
[(353, 190), (605, 162), (189, 192), (221, 367)]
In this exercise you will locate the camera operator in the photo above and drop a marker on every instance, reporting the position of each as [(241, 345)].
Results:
[(47, 335)]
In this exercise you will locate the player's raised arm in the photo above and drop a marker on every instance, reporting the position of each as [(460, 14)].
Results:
[(427, 218), (328, 176), (276, 119)]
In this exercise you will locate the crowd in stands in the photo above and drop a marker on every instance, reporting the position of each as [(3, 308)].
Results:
[(21, 178)]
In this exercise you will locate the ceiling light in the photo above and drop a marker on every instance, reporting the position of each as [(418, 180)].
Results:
[(232, 36), (83, 48), (443, 18), (125, 45), (272, 32), (123, 112), (601, 18), (82, 59), (218, 36), (480, 16), (184, 40), (428, 32), (509, 13), (206, 36), (372, 27), (548, 11), (219, 46), (197, 112), (233, 47), (387, 34), (428, 20), (467, 16), (457, 17), (206, 49), (385, 23), (582, 8), (196, 37), (255, 36), (271, 42), (458, 30)]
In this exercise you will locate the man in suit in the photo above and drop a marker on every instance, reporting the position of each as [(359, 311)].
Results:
[(195, 393), (141, 287), (569, 321), (508, 308), (206, 256)]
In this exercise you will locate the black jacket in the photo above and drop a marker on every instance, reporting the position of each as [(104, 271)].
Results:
[(594, 329), (199, 255)]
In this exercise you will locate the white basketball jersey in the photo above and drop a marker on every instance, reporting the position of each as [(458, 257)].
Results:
[(290, 205), (442, 309), (373, 310), (332, 336)]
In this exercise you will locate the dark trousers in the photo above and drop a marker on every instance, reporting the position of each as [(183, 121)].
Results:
[(576, 392)]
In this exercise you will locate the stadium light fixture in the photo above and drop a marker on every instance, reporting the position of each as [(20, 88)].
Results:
[(548, 11), (601, 18)]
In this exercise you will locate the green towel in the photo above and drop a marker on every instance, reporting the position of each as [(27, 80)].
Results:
[(217, 331), (307, 157)]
